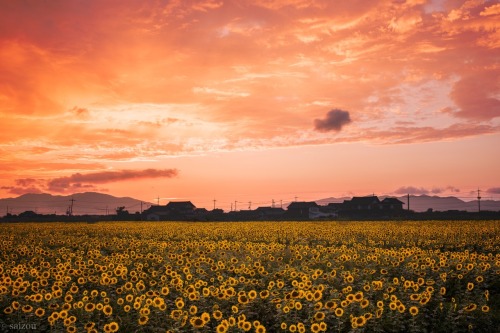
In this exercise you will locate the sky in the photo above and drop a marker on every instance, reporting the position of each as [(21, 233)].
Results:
[(250, 100)]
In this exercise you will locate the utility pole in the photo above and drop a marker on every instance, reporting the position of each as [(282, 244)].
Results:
[(272, 205), (249, 205), (231, 206), (141, 207), (158, 200), (408, 200), (70, 208), (214, 203), (478, 200)]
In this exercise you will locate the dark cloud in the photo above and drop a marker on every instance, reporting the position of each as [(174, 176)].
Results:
[(421, 190), (438, 190), (494, 190), (334, 121), (411, 190), (79, 180)]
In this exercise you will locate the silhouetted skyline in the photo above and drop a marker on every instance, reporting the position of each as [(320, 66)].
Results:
[(249, 100)]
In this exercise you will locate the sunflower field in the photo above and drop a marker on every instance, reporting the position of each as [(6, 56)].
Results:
[(434, 276)]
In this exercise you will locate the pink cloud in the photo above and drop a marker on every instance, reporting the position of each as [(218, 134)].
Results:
[(476, 95)]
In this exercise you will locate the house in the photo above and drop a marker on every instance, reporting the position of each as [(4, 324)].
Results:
[(174, 210), (362, 204), (180, 207), (303, 210), (331, 210), (392, 204), (156, 213), (272, 213)]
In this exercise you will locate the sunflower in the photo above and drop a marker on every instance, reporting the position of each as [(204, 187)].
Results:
[(221, 328), (242, 299), (217, 314), (330, 305), (143, 320), (197, 322), (205, 316), (246, 326), (260, 329), (413, 310), (470, 307), (252, 294), (339, 312), (319, 316), (107, 310), (179, 303), (38, 298), (424, 300), (315, 328), (485, 308), (360, 321), (88, 326), (39, 312), (27, 308)]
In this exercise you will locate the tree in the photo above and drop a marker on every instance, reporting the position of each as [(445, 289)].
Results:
[(121, 212)]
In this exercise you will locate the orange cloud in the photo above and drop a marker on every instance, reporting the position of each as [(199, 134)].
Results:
[(104, 82)]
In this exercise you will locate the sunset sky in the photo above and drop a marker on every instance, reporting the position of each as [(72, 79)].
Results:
[(250, 100)]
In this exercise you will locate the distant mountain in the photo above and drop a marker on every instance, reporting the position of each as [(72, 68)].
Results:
[(421, 203), (91, 203)]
